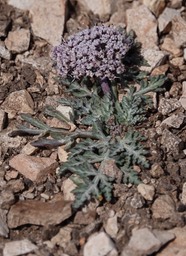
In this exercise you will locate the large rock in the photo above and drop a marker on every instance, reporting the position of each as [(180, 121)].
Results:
[(142, 21), (18, 247), (48, 17), (100, 7)]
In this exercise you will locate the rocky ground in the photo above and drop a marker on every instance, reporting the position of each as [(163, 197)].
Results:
[(36, 216)]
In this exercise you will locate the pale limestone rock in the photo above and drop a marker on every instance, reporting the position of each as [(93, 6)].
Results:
[(154, 58), (48, 17), (62, 154), (18, 41), (183, 195), (163, 207), (165, 19), (41, 213), (28, 149), (147, 191), (20, 247), (183, 97), (3, 224), (176, 247), (156, 6), (166, 106), (63, 237), (18, 102), (111, 226), (67, 187), (146, 242), (33, 168), (143, 22), (170, 142), (100, 7), (170, 46), (175, 120), (99, 244), (4, 53), (177, 61), (179, 31)]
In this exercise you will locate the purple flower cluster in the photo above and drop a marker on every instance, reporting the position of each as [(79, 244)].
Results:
[(95, 52)]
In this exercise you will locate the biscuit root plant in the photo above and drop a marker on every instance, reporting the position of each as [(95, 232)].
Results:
[(94, 64)]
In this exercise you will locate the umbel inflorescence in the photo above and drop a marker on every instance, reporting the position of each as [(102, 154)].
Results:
[(95, 52)]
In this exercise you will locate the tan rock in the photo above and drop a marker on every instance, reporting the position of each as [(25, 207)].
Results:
[(48, 17), (156, 6), (33, 168), (177, 61), (3, 224), (165, 19), (154, 58), (179, 31), (175, 120), (18, 41), (163, 207), (3, 119), (18, 102), (166, 106), (182, 99), (18, 247), (63, 237), (170, 46), (147, 191), (111, 226), (143, 22), (39, 213), (176, 247), (4, 53), (67, 187), (170, 142), (28, 149), (183, 195), (100, 7)]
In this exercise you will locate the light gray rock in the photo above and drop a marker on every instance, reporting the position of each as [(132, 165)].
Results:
[(67, 187), (147, 191), (142, 21), (4, 53), (183, 195), (3, 224), (18, 102), (175, 120), (18, 41), (63, 237), (3, 118), (100, 7), (145, 242), (48, 17), (164, 20), (166, 106), (154, 58), (111, 226), (182, 99), (99, 244), (137, 201), (20, 247), (170, 142)]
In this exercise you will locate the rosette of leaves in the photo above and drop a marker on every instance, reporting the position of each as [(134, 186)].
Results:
[(93, 57)]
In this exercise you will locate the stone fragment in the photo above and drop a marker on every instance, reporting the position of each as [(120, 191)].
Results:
[(8, 142), (62, 154), (137, 201), (100, 7), (4, 231), (39, 213), (176, 4), (165, 18), (177, 61), (18, 102), (34, 168), (12, 174), (154, 58), (182, 99), (7, 199), (156, 6), (147, 191), (4, 53), (85, 218), (156, 170), (146, 242), (170, 46), (20, 247), (99, 244), (176, 247), (163, 208), (166, 106), (15, 185), (48, 17), (3, 119), (175, 120), (184, 54), (4, 25), (53, 87), (179, 31), (183, 195), (170, 142), (63, 237), (160, 70), (18, 41), (67, 187), (143, 22), (111, 226), (182, 165), (68, 113), (28, 149)]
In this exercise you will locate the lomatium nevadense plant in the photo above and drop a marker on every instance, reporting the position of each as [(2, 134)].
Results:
[(107, 150)]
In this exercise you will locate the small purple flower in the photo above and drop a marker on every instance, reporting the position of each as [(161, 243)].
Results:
[(96, 52)]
